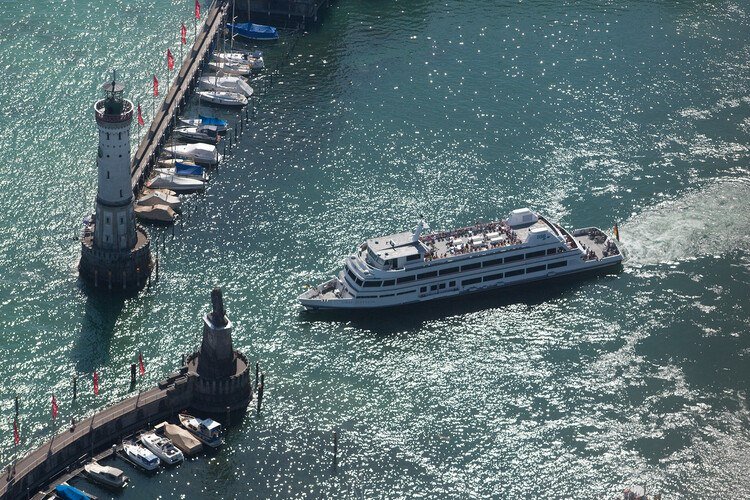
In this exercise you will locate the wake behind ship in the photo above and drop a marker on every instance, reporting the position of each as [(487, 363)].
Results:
[(413, 267)]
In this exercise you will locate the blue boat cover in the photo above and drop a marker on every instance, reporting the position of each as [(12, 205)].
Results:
[(210, 120), (254, 31), (185, 169), (70, 493)]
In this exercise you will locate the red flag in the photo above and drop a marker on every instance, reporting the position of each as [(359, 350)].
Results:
[(170, 60), (156, 87), (141, 366), (197, 9), (183, 34), (54, 407), (140, 116), (16, 436), (96, 382)]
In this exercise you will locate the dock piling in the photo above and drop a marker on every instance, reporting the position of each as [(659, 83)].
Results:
[(257, 371), (260, 392), (16, 404), (335, 447), (132, 373), (75, 388)]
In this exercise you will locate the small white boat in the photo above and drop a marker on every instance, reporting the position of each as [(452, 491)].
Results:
[(207, 431), (159, 214), (172, 162), (198, 173), (162, 447), (230, 68), (206, 133), (200, 153), (223, 98), (227, 84), (254, 61), (140, 456), (159, 197), (221, 125), (176, 183), (106, 475)]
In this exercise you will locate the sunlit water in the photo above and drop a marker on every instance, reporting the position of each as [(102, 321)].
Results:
[(590, 112)]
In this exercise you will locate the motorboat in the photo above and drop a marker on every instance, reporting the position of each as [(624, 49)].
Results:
[(159, 197), (230, 68), (196, 172), (106, 475), (254, 59), (223, 98), (207, 431), (157, 214), (162, 447), (254, 31), (141, 456), (200, 153), (68, 492), (183, 439), (227, 84), (176, 183), (203, 133), (221, 125)]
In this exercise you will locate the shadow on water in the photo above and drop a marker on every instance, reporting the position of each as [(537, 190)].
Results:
[(97, 325), (411, 317)]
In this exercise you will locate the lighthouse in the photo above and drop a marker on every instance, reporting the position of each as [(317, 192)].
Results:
[(115, 251)]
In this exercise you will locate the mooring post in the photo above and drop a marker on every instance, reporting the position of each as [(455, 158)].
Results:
[(235, 131), (335, 446), (257, 371), (227, 424), (183, 360), (132, 373), (16, 403), (75, 388), (260, 391)]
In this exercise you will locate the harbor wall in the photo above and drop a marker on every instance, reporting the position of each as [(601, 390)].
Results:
[(97, 433)]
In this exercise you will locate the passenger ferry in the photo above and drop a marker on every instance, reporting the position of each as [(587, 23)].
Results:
[(412, 267)]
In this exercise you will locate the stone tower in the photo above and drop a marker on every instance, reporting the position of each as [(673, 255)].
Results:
[(115, 252), (221, 374)]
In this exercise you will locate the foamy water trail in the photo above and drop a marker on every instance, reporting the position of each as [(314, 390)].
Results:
[(711, 221)]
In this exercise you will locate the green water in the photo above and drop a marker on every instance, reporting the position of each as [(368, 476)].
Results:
[(590, 112)]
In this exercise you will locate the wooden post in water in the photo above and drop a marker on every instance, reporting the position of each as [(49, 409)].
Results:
[(260, 392), (132, 373), (335, 447), (75, 389)]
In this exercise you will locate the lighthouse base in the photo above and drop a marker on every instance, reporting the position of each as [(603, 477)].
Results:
[(116, 271), (216, 397)]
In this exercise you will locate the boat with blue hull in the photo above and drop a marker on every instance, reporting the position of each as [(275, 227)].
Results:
[(254, 31), (414, 267)]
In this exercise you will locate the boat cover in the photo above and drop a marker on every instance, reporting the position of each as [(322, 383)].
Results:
[(254, 31), (181, 438), (185, 169), (210, 120), (68, 492)]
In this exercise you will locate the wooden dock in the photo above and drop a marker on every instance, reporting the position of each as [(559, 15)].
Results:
[(185, 81)]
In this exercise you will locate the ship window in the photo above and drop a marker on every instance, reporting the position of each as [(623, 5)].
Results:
[(408, 291), (450, 270), (367, 297), (552, 251), (423, 289), (372, 284), (389, 282), (557, 264), (359, 281), (535, 269), (493, 277), (351, 275), (387, 295), (471, 281), (433, 288), (406, 279), (514, 258), (493, 262), (535, 254), (470, 266), (442, 286), (413, 257), (452, 283), (517, 272), (424, 276)]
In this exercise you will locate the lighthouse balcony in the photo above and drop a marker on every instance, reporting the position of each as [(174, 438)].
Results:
[(103, 111)]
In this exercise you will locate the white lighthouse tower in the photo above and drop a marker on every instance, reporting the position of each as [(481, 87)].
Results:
[(115, 251)]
